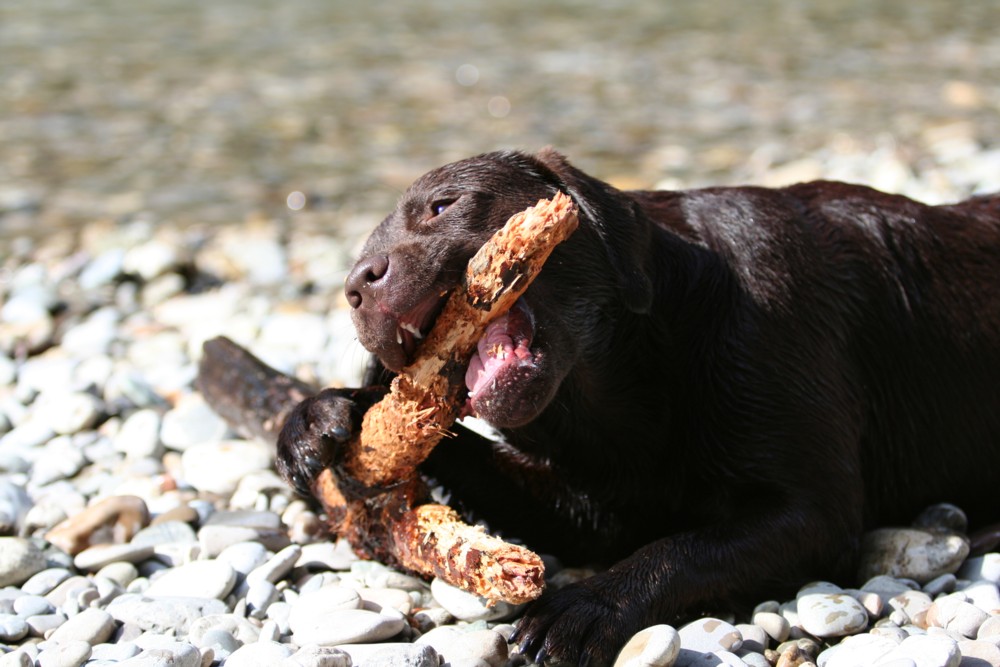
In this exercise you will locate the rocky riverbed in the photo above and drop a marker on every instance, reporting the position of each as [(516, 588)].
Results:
[(141, 531)]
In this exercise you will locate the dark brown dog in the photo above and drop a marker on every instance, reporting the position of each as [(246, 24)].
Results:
[(714, 391)]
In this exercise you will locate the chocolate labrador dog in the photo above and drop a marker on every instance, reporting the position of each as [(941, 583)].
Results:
[(712, 392)]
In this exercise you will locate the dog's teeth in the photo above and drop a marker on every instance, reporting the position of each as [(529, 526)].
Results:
[(412, 329), (399, 335)]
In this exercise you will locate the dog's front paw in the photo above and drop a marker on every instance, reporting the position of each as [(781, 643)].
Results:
[(583, 623), (314, 431)]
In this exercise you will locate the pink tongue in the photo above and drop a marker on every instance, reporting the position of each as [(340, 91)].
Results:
[(505, 343)]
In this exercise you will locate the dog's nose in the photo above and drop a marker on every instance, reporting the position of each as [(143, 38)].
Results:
[(363, 280)]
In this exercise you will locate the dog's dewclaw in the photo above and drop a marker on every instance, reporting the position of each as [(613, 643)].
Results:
[(398, 433)]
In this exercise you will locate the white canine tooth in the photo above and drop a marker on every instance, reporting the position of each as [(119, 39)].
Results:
[(412, 329), (399, 336)]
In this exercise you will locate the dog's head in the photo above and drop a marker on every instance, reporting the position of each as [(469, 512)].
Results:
[(418, 254)]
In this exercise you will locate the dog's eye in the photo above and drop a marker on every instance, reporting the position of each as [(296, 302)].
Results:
[(439, 207)]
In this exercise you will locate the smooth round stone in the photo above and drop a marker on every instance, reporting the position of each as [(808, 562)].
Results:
[(983, 594), (986, 653), (240, 628), (213, 539), (336, 556), (656, 646), (818, 587), (392, 654), (222, 643), (179, 653), (912, 554), (912, 603), (259, 654), (92, 625), (244, 556), (468, 607), (19, 658), (218, 467), (990, 629), (323, 656), (14, 505), (67, 412), (754, 637), (165, 532), (775, 625), (857, 650), (63, 460), (388, 597), (122, 573), (69, 589), (943, 516), (19, 560), (831, 615), (886, 587), (926, 650), (96, 557), (260, 595), (12, 628), (320, 603), (42, 583), (706, 635), (200, 578), (191, 422), (163, 614), (347, 626), (115, 652), (101, 270), (953, 613), (459, 645), (277, 567), (139, 435), (985, 567), (32, 605), (65, 654)]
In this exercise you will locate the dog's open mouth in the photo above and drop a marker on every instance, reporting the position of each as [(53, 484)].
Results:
[(505, 347)]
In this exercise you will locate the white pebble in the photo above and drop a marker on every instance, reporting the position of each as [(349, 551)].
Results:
[(65, 654), (468, 607), (706, 635), (346, 626), (656, 646), (201, 578), (139, 435), (93, 626), (217, 467), (191, 422), (67, 412), (831, 615), (19, 559)]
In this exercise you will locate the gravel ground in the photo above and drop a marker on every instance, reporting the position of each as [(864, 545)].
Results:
[(148, 201)]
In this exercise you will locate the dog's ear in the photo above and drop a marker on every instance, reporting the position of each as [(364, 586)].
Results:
[(622, 226)]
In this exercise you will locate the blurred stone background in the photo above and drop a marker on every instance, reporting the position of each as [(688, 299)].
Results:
[(187, 112)]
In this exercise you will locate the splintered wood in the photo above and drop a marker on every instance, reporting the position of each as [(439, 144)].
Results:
[(399, 432)]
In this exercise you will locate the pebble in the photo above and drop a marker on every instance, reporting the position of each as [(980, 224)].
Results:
[(12, 628), (19, 559), (706, 635), (163, 614), (656, 646), (466, 645), (346, 626), (926, 651), (986, 567), (139, 435), (191, 422), (468, 607), (259, 654), (927, 554), (774, 624), (42, 583), (319, 656), (66, 654), (831, 614), (393, 654), (203, 578), (954, 613), (101, 555)]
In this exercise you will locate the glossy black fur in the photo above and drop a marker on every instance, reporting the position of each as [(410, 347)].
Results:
[(742, 380)]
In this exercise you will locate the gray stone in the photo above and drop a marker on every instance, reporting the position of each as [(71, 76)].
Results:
[(925, 651), (42, 583), (774, 624), (122, 573), (391, 655), (985, 567), (656, 646), (67, 412), (755, 638), (116, 652), (18, 658), (460, 645), (953, 613), (200, 578), (321, 656), (12, 628), (222, 643), (218, 466), (165, 613), (30, 605), (345, 626), (244, 556), (706, 635), (139, 435), (65, 654), (259, 654), (242, 629), (96, 557), (191, 422), (910, 553), (468, 607), (14, 505), (93, 626), (277, 567), (327, 555), (831, 615), (944, 517), (260, 595), (399, 600), (19, 559)]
